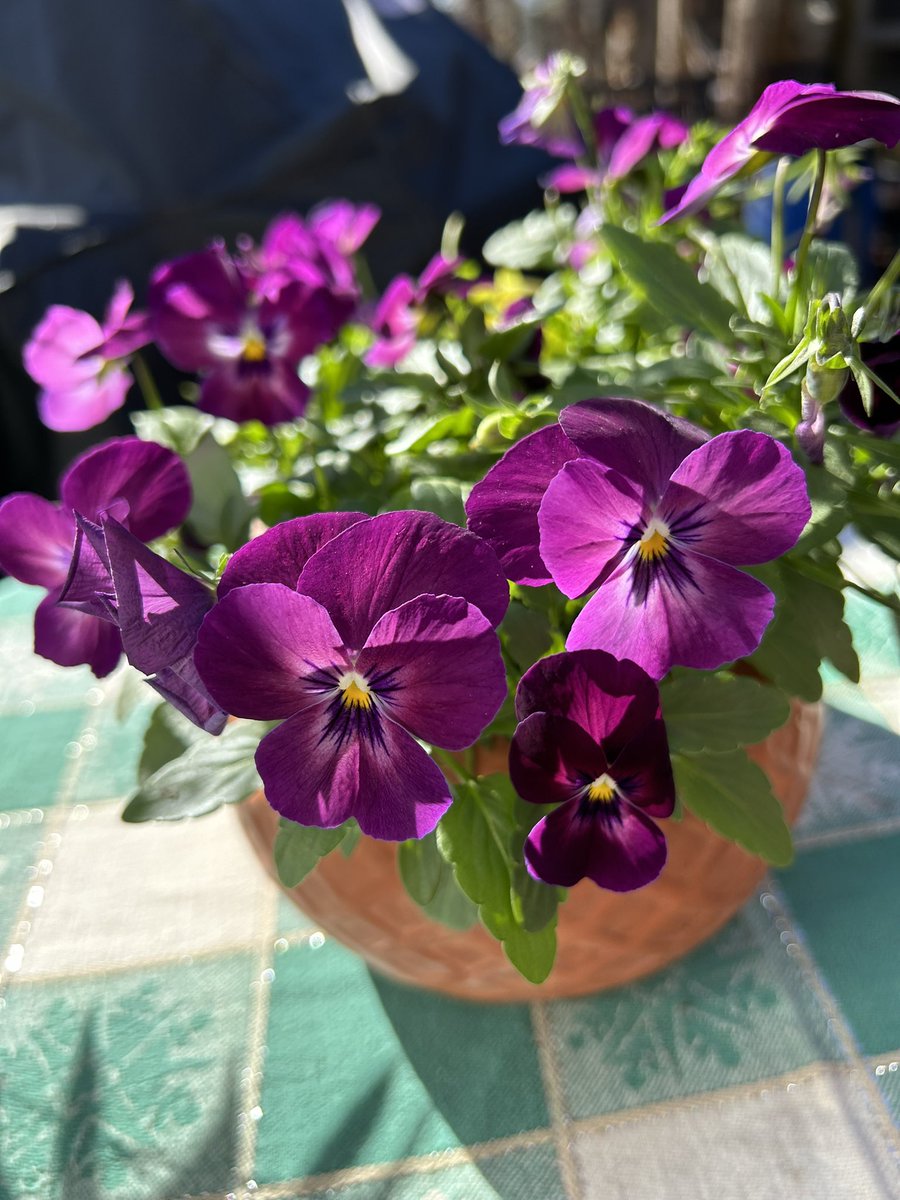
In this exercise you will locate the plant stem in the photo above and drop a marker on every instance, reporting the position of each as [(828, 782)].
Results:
[(809, 230), (146, 383), (777, 236)]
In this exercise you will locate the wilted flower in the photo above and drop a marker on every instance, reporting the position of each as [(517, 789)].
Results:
[(156, 607), (543, 116), (643, 508), (143, 485), (82, 366), (591, 739), (387, 636), (792, 118)]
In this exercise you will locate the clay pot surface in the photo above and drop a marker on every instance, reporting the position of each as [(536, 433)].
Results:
[(604, 938)]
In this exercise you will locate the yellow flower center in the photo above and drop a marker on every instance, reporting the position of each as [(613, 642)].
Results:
[(356, 692), (254, 348), (655, 540), (602, 790)]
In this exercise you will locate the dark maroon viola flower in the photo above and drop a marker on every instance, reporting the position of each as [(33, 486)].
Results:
[(388, 637), (591, 739), (143, 485), (207, 317), (654, 518), (792, 118), (884, 419), (81, 365)]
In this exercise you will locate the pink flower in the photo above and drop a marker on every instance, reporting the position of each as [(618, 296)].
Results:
[(80, 365)]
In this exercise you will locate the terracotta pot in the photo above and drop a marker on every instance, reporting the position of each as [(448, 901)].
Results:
[(604, 938)]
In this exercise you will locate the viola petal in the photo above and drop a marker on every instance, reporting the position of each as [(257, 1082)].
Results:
[(616, 846), (682, 610), (613, 700), (643, 771), (740, 498), (144, 484), (281, 553), (271, 391), (377, 565), (551, 759), (36, 539), (159, 607), (633, 438), (55, 356), (391, 786), (86, 405), (503, 507), (587, 518), (71, 638), (258, 647), (436, 663)]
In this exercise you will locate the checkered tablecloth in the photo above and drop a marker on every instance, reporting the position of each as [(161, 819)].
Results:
[(170, 1026)]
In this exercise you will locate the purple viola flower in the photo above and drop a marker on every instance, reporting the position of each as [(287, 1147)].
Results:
[(156, 607), (143, 485), (81, 365), (644, 509), (388, 637), (207, 317), (792, 118), (591, 739), (884, 420), (543, 116)]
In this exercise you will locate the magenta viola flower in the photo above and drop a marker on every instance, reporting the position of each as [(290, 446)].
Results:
[(156, 607), (623, 141), (318, 254), (207, 317), (144, 486), (396, 317), (81, 365), (543, 116), (387, 637), (884, 360), (591, 739), (655, 518), (792, 118)]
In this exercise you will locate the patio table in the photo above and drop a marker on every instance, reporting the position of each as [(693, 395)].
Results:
[(172, 1027)]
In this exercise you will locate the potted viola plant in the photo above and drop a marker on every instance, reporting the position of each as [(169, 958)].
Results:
[(477, 593)]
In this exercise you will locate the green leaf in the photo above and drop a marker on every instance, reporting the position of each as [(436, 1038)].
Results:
[(421, 866), (832, 267), (420, 432), (429, 879), (481, 837), (532, 241), (298, 849), (211, 772), (828, 498), (445, 497), (179, 428), (168, 735), (669, 283), (525, 634), (733, 796), (740, 269), (719, 712), (219, 512), (808, 626)]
